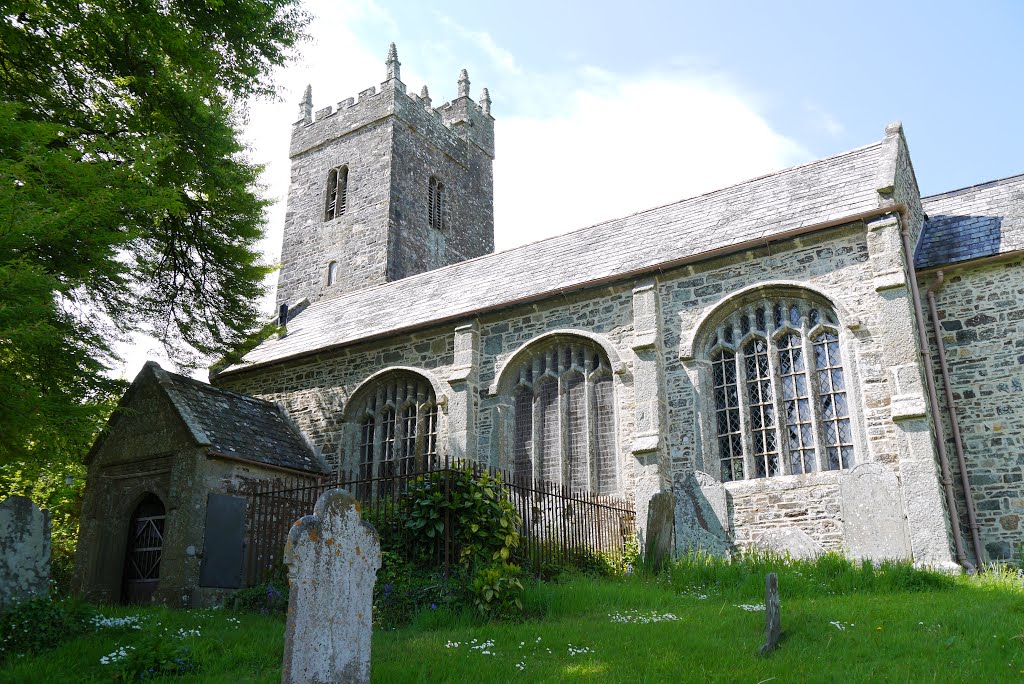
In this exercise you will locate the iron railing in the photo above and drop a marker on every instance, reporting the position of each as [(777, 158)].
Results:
[(557, 525)]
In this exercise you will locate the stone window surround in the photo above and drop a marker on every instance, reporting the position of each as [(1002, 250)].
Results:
[(354, 415), (341, 183), (699, 368), (437, 205), (507, 383)]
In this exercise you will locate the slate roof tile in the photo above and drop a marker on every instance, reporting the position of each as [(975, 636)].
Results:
[(972, 223), (238, 425), (822, 190)]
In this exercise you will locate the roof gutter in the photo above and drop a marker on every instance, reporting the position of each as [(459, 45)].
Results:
[(597, 282), (212, 453)]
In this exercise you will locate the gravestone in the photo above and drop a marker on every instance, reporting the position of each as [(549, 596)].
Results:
[(24, 550), (791, 541), (772, 614), (332, 557), (701, 515), (660, 514), (874, 524)]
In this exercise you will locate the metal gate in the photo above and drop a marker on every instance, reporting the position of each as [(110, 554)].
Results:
[(144, 550)]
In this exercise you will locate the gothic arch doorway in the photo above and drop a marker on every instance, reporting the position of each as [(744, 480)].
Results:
[(143, 551)]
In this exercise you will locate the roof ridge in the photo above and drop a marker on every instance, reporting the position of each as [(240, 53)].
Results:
[(976, 186), (432, 273), (178, 377)]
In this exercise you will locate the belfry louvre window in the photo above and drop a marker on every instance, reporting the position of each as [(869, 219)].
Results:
[(337, 193), (563, 417), (394, 425), (435, 204), (779, 391)]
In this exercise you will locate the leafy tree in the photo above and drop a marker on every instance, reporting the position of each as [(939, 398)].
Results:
[(126, 201)]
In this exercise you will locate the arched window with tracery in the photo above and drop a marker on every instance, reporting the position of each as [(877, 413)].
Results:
[(779, 390), (563, 415), (393, 425), (337, 193)]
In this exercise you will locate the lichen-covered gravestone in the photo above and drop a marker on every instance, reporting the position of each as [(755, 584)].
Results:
[(24, 550), (332, 557), (772, 614), (660, 519), (701, 515), (874, 524)]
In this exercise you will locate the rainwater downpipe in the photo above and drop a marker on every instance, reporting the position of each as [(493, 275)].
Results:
[(954, 424), (929, 377)]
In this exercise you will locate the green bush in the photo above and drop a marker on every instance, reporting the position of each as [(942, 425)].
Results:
[(155, 655), (498, 591), (404, 589), (263, 598), (483, 523), (40, 623)]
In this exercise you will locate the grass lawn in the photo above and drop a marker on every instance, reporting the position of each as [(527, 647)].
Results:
[(686, 626)]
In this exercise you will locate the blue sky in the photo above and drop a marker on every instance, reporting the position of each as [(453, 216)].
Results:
[(603, 109), (828, 75), (674, 99)]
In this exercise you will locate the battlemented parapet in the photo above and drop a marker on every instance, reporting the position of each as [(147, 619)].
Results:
[(461, 119), (385, 185)]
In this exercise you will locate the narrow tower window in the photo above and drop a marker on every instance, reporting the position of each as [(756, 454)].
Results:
[(332, 273), (337, 193), (435, 204)]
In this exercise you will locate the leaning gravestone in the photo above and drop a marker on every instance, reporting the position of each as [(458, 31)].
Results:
[(332, 557), (24, 550), (789, 541), (874, 524), (701, 515), (660, 518), (772, 614)]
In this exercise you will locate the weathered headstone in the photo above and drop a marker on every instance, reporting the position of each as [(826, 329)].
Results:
[(874, 523), (772, 614), (332, 557), (791, 541), (660, 519), (701, 515), (24, 550)]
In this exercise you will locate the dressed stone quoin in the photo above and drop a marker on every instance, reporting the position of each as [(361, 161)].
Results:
[(816, 359)]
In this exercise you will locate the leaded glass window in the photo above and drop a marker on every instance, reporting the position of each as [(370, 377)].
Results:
[(727, 415), (780, 396), (366, 434), (563, 417), (835, 414)]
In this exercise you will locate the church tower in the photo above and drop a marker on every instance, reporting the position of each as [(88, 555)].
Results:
[(386, 187)]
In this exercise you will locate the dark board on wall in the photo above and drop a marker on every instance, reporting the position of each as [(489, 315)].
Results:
[(224, 542)]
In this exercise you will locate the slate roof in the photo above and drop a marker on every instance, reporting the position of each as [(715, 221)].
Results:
[(229, 423), (972, 223), (239, 425), (821, 191)]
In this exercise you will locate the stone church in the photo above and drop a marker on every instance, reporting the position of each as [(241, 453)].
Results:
[(819, 358)]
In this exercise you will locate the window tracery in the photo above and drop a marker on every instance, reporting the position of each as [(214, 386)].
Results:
[(563, 416), (395, 423), (779, 391)]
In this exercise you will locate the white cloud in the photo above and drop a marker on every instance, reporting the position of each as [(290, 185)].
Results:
[(483, 40), (626, 148), (824, 120), (618, 145)]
